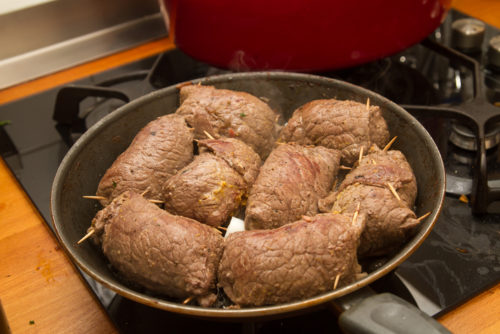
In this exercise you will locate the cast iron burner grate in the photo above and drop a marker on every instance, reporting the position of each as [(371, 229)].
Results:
[(78, 107), (477, 114)]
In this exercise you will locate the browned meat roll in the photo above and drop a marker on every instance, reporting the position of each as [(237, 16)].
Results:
[(157, 152), (390, 218), (380, 168), (293, 262), (289, 184), (211, 188), (166, 254), (226, 113), (343, 125)]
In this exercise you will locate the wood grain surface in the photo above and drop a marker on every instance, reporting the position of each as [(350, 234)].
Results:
[(485, 10), (82, 71), (40, 289)]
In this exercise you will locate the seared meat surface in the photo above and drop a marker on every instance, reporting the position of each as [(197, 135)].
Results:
[(207, 190), (390, 221), (238, 155), (343, 125), (211, 188), (157, 152), (293, 262), (289, 184), (378, 168), (167, 254), (226, 113)]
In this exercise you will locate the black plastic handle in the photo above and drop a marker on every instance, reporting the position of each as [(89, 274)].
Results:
[(387, 313)]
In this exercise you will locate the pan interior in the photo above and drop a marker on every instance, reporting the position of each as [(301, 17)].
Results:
[(95, 151)]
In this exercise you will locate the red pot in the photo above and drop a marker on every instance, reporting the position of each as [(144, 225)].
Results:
[(299, 35)]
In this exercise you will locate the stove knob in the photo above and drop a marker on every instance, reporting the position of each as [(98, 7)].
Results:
[(467, 34), (494, 51)]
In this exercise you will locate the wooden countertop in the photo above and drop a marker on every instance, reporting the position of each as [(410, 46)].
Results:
[(41, 290)]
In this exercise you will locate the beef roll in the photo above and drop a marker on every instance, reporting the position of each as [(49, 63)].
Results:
[(226, 113), (166, 254), (296, 261), (385, 186), (157, 152), (211, 188), (343, 125), (289, 185)]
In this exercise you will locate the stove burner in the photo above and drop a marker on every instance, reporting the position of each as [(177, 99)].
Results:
[(394, 78), (477, 114), (467, 159), (464, 138)]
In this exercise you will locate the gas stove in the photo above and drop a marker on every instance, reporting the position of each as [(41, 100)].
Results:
[(449, 82)]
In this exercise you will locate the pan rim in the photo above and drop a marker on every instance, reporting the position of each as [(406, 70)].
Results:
[(264, 311)]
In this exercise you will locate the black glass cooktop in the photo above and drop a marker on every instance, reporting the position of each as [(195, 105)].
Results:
[(459, 259)]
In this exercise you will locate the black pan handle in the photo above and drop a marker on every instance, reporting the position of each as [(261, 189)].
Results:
[(367, 313)]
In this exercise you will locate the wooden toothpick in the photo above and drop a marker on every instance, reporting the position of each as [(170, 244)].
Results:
[(393, 191), (145, 192), (187, 300), (94, 197), (355, 215), (155, 201), (88, 235), (389, 144), (423, 216), (336, 283), (208, 134)]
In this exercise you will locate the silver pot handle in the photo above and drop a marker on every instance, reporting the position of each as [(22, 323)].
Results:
[(384, 313)]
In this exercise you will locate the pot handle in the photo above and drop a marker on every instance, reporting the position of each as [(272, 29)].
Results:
[(365, 312)]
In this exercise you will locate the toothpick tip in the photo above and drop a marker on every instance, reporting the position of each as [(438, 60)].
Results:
[(145, 192), (424, 216), (336, 283), (208, 134), (389, 144), (93, 197), (187, 300), (86, 236), (356, 213), (393, 191), (155, 201)]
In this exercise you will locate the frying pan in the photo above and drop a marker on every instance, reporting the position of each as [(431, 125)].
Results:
[(88, 159)]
